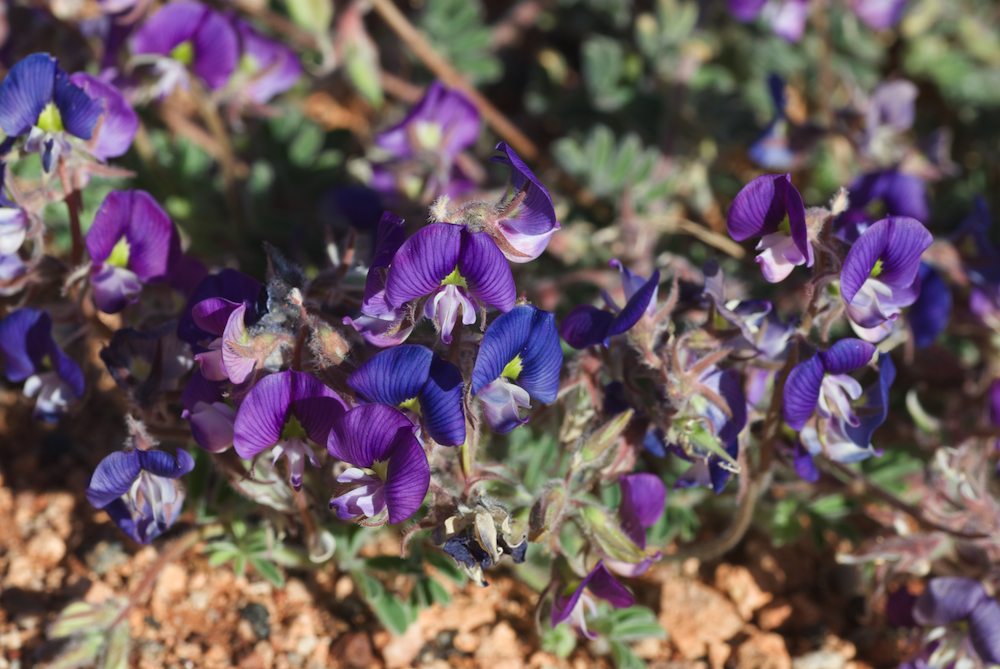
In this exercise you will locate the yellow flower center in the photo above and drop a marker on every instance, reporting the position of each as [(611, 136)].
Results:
[(428, 135), (50, 120), (877, 269), (455, 279), (513, 368), (293, 429), (411, 404), (183, 53), (119, 254)]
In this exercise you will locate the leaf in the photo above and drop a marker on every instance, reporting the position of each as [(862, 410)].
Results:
[(559, 640), (458, 29), (117, 651), (394, 614), (634, 623), (604, 73), (268, 570), (624, 658), (604, 528), (596, 449), (314, 15)]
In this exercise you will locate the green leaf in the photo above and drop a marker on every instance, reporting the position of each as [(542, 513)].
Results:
[(559, 640), (315, 16), (457, 28), (634, 623), (391, 612), (268, 570), (623, 656), (117, 651), (605, 529)]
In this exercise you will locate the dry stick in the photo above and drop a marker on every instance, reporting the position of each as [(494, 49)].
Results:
[(74, 204), (444, 71)]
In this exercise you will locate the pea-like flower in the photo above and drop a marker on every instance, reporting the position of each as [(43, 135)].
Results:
[(187, 35), (285, 412), (643, 500), (131, 242), (455, 269), (419, 382), (38, 99), (519, 360), (788, 17), (230, 285), (587, 325), (574, 600), (388, 474), (211, 418), (771, 208), (888, 192), (29, 353), (113, 136), (880, 274), (951, 600), (930, 314), (140, 490), (821, 401), (525, 221), (269, 67)]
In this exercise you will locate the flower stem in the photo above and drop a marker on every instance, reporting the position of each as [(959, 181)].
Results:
[(74, 203)]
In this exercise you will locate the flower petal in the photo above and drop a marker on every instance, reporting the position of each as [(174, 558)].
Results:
[(113, 477), (315, 405), (801, 392), (441, 403), (897, 243), (451, 112), (172, 24), (746, 10), (407, 478), (642, 504), (423, 262), (277, 67), (759, 207), (535, 216), (119, 122), (366, 434), (262, 415), (984, 631), (603, 584), (153, 242), (929, 315), (846, 356), (24, 341), (505, 338), (393, 375), (212, 314), (635, 308), (78, 111), (541, 358), (876, 406), (948, 600), (166, 465), (216, 49), (586, 326), (902, 194), (229, 284), (236, 362), (485, 268), (25, 92), (879, 14)]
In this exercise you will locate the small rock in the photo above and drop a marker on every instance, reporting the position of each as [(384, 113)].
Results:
[(354, 650), (695, 615), (774, 615), (466, 642), (259, 619), (47, 549), (400, 651), (764, 650), (741, 587), (500, 649), (820, 659)]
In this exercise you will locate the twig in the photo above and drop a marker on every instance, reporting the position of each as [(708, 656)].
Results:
[(447, 73), (710, 237), (74, 204)]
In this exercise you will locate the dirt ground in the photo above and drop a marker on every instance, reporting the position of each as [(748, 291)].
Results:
[(761, 609)]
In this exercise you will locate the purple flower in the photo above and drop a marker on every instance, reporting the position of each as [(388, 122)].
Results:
[(380, 323), (643, 499), (930, 313), (519, 360), (895, 193), (183, 35), (820, 401), (587, 325), (574, 601), (451, 266), (526, 221), (417, 380), (38, 99), (771, 208), (422, 148), (132, 242), (760, 327), (878, 14), (210, 417), (140, 490), (229, 356), (950, 600), (880, 274), (272, 67), (230, 285), (30, 354), (113, 136), (146, 363), (786, 17), (389, 473), (284, 412), (773, 150)]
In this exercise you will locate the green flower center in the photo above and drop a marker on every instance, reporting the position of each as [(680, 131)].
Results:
[(513, 368), (119, 254), (50, 120), (183, 53), (248, 64), (428, 135), (455, 279), (380, 468), (877, 269), (411, 404), (293, 429), (785, 226)]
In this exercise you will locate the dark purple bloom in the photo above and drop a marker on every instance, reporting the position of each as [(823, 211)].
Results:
[(184, 35), (930, 313), (389, 473), (587, 325), (878, 14), (773, 150), (450, 265), (284, 412), (38, 99), (146, 363), (272, 67), (132, 242), (113, 136), (771, 208), (418, 380), (880, 274), (527, 219), (230, 285), (229, 356), (951, 600), (643, 499), (422, 148), (890, 192), (140, 490), (519, 360), (210, 417), (30, 354), (761, 329), (573, 601), (786, 17), (380, 323)]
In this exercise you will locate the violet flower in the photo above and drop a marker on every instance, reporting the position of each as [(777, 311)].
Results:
[(575, 601), (113, 136), (643, 500), (929, 315), (820, 401), (30, 354), (771, 208), (140, 490), (787, 18), (525, 221), (587, 325), (422, 148), (187, 35), (211, 419), (388, 474), (950, 600), (450, 266), (229, 356), (131, 242), (519, 360), (38, 99), (270, 66), (880, 274), (284, 412), (761, 328), (878, 14), (419, 382), (890, 192), (230, 285), (380, 323)]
